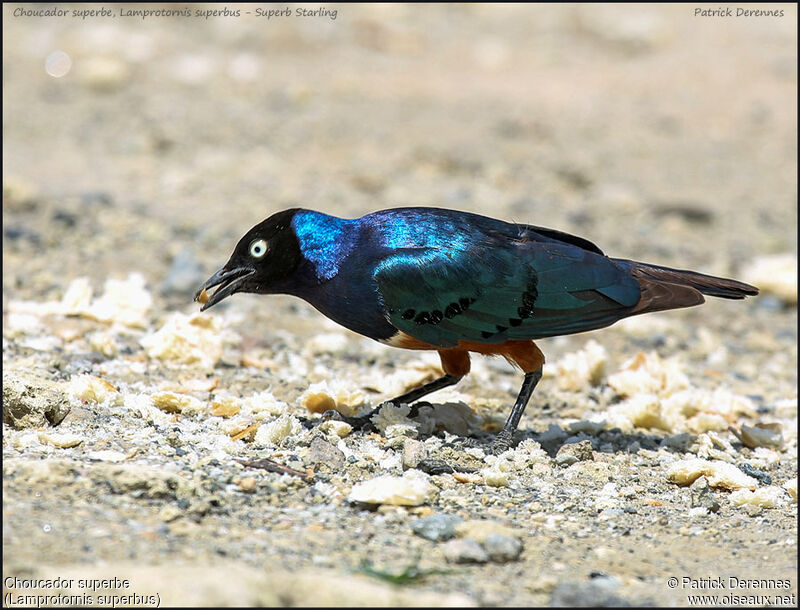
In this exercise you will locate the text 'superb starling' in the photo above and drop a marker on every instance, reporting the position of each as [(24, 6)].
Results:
[(454, 282)]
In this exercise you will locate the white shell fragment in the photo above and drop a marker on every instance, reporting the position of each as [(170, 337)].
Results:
[(103, 342), (412, 489), (93, 389), (579, 370), (641, 411), (107, 455), (16, 323), (259, 406), (453, 417), (63, 440), (325, 395), (719, 474), (720, 402), (688, 410), (183, 339), (775, 275), (124, 302), (791, 487), (648, 374), (496, 475), (78, 296), (263, 404), (143, 405), (170, 402), (393, 420), (276, 431), (502, 468), (226, 406), (339, 428), (765, 497), (239, 428)]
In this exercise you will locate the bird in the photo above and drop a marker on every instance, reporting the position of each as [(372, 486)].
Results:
[(427, 278)]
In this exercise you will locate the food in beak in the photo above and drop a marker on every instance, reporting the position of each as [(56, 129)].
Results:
[(228, 282)]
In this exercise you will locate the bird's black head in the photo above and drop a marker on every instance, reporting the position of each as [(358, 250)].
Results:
[(261, 262)]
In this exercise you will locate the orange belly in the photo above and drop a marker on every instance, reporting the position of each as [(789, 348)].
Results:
[(524, 354)]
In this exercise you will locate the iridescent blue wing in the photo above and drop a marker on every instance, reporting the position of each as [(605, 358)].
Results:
[(499, 290)]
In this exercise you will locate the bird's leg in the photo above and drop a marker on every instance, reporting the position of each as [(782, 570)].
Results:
[(455, 364), (531, 359), (503, 440), (404, 399), (425, 389)]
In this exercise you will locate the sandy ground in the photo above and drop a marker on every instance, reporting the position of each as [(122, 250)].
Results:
[(659, 134)]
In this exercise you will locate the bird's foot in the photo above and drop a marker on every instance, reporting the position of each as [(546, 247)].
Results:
[(502, 442), (414, 408), (471, 442), (438, 466), (362, 422)]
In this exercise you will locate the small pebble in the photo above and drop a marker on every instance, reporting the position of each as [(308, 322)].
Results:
[(437, 527), (761, 435), (169, 513), (566, 459), (574, 452), (703, 497), (246, 484), (464, 550), (32, 402), (64, 440), (414, 452), (598, 592), (502, 548), (762, 477), (325, 456)]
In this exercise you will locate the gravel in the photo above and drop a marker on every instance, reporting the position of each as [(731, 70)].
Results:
[(437, 527)]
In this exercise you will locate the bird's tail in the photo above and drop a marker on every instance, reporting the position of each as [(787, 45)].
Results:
[(666, 288)]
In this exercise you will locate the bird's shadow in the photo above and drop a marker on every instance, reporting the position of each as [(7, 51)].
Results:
[(612, 440), (603, 440), (552, 439)]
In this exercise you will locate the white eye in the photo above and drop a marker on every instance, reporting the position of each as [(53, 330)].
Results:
[(258, 248)]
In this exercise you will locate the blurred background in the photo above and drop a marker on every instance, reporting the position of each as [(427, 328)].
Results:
[(656, 133)]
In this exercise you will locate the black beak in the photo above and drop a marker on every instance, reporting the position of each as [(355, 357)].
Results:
[(228, 280)]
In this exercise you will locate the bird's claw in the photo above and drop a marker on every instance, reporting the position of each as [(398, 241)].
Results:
[(435, 466), (502, 442), (363, 422), (332, 415), (414, 408)]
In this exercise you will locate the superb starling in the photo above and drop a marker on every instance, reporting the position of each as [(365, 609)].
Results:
[(454, 282)]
